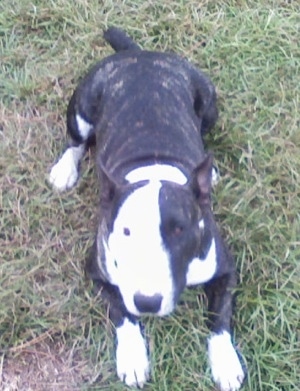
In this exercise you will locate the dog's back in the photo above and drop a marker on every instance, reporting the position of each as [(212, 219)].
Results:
[(158, 100)]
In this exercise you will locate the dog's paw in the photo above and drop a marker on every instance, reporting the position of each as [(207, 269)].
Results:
[(226, 368), (62, 177), (132, 358), (64, 173)]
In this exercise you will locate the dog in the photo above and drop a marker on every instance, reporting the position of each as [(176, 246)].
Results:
[(156, 235)]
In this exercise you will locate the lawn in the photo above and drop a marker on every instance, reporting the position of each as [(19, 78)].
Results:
[(54, 334)]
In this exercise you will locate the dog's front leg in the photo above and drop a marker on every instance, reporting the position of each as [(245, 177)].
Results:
[(226, 368), (131, 354), (131, 350)]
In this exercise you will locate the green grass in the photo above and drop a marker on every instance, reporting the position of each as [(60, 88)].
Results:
[(54, 335)]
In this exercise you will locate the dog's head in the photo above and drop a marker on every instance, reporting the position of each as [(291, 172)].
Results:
[(153, 229)]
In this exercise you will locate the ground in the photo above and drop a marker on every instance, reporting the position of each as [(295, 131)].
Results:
[(54, 333)]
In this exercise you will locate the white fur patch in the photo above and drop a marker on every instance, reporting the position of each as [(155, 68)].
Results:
[(64, 173), (137, 260), (157, 172), (84, 127), (225, 365), (131, 354), (215, 176), (201, 224), (202, 270)]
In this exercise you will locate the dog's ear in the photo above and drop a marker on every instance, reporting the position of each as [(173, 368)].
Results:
[(108, 188), (201, 181)]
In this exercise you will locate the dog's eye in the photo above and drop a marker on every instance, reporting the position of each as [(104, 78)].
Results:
[(126, 231), (177, 230)]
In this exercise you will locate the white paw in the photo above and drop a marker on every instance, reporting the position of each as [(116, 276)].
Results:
[(62, 177), (225, 365), (64, 174), (132, 358)]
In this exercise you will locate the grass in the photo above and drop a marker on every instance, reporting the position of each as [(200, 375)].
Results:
[(54, 335)]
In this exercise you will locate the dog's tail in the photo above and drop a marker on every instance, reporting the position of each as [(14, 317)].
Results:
[(119, 40)]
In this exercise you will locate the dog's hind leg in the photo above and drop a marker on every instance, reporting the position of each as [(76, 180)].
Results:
[(205, 106), (64, 173), (205, 100)]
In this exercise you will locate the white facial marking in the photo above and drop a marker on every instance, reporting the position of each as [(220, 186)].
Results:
[(131, 354), (64, 173), (136, 258), (202, 270), (84, 127), (225, 365), (157, 172)]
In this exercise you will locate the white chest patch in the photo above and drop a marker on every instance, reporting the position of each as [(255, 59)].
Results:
[(137, 261), (202, 270)]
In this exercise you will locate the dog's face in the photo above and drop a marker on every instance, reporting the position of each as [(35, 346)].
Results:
[(154, 230)]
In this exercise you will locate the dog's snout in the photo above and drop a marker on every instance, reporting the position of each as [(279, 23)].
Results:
[(147, 303)]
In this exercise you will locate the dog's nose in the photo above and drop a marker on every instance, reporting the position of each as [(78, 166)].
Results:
[(147, 303)]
